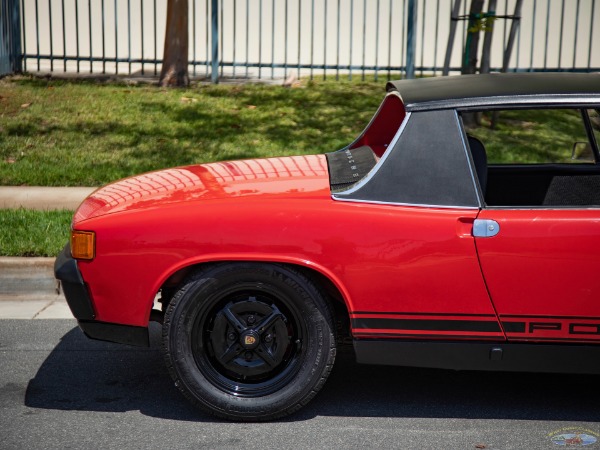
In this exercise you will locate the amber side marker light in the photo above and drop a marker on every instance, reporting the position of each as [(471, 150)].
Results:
[(83, 244)]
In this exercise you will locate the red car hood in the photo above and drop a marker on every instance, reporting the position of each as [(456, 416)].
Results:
[(288, 176)]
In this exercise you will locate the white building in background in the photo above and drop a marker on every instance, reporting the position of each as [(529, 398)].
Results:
[(554, 34)]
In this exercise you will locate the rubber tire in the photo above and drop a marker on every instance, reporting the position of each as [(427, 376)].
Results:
[(317, 354)]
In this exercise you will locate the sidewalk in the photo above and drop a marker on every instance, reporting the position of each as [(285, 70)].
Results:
[(28, 289), (44, 198)]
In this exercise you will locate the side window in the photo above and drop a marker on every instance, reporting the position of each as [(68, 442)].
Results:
[(532, 136), (537, 157)]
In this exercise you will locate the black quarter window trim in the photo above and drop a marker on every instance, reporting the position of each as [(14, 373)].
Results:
[(463, 137), (344, 195)]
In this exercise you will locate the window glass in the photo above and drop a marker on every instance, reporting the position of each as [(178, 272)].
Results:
[(532, 136), (535, 157)]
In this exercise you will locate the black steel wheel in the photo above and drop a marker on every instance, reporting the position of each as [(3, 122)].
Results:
[(249, 341)]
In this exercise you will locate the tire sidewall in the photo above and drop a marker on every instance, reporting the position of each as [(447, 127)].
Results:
[(198, 296)]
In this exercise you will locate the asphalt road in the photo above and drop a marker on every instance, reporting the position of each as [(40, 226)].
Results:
[(60, 390)]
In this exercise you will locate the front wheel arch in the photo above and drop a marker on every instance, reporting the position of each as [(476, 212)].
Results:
[(213, 351), (335, 295)]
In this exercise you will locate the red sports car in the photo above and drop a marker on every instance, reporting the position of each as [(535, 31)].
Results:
[(428, 242)]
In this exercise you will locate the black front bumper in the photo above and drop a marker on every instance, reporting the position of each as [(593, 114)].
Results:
[(76, 293), (80, 303)]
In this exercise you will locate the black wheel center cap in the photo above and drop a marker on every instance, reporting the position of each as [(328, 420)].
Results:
[(249, 339)]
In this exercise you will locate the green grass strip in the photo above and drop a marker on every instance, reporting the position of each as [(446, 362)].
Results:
[(25, 232)]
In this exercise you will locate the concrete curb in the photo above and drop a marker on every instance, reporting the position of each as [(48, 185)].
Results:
[(25, 276), (28, 290), (43, 198)]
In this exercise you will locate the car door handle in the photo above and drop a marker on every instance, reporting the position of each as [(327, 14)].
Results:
[(485, 228)]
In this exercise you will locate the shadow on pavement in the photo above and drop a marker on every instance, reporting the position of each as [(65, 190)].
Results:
[(85, 375)]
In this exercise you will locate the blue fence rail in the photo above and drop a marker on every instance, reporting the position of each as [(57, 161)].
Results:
[(272, 38)]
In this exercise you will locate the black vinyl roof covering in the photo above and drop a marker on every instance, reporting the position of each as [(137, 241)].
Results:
[(501, 89)]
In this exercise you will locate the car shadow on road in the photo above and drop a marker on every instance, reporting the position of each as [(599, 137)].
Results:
[(85, 375), (382, 391)]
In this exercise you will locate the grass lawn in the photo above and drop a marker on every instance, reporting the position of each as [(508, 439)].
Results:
[(33, 233), (86, 133)]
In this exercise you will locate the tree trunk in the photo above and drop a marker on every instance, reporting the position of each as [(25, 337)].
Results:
[(487, 39), (472, 45), (175, 56), (471, 120)]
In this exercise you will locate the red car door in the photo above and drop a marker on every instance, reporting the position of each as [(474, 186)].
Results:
[(542, 269), (417, 276)]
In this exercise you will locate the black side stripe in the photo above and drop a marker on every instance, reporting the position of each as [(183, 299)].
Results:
[(472, 337), (550, 339), (514, 327), (392, 313), (526, 316), (426, 325)]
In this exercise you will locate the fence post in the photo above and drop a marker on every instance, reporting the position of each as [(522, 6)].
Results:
[(214, 9), (411, 38), (16, 55)]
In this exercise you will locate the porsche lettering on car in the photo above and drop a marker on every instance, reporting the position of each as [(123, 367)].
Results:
[(426, 242)]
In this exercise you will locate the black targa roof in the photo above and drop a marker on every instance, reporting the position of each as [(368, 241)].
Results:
[(497, 88)]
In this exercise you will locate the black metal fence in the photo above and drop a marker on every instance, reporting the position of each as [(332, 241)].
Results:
[(272, 38), (10, 37)]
